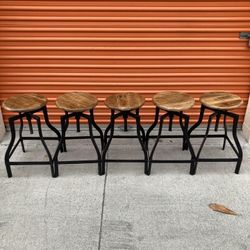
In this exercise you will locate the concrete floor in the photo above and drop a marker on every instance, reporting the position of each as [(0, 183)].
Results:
[(124, 209)]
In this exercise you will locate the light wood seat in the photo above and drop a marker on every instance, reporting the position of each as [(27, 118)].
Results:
[(25, 102), (124, 101), (221, 100), (173, 101), (76, 102)]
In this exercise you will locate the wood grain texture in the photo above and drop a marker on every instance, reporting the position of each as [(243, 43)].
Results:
[(76, 102), (221, 100), (24, 102), (173, 101), (125, 101)]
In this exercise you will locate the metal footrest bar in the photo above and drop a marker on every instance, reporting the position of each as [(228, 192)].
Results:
[(29, 162)]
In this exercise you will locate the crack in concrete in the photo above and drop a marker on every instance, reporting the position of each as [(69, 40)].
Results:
[(45, 219), (103, 203)]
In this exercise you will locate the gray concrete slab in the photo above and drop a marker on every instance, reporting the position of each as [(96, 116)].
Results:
[(169, 209), (124, 209), (39, 212)]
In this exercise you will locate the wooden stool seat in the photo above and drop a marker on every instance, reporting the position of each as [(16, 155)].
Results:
[(24, 102), (221, 100), (76, 102), (124, 101), (173, 101)]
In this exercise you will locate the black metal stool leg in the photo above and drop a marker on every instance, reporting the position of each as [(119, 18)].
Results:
[(125, 117), (101, 171), (107, 144), (217, 122), (157, 110), (60, 144), (78, 128), (97, 128), (187, 141), (21, 133), (37, 118), (28, 116), (225, 129), (46, 118), (63, 129), (141, 140), (197, 124), (240, 153), (156, 142), (184, 142), (9, 149)]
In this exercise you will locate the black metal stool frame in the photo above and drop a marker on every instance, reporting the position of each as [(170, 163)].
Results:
[(62, 143), (140, 135), (236, 148), (186, 142), (11, 147)]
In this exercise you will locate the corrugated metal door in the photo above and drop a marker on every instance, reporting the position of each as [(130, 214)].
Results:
[(103, 47)]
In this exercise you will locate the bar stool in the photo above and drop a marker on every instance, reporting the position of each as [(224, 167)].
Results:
[(75, 105), (173, 104), (124, 105), (26, 105), (219, 103)]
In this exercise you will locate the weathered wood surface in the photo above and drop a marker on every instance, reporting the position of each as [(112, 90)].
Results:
[(24, 102), (173, 101), (125, 101), (76, 102)]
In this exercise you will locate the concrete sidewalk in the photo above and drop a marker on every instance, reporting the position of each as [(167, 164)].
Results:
[(124, 209)]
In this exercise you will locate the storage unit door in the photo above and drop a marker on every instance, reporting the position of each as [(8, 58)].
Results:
[(104, 47)]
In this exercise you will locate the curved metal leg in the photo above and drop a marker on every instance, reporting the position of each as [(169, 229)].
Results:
[(125, 117), (21, 133), (157, 110), (240, 153), (28, 116), (46, 118), (225, 129), (43, 142), (138, 130), (97, 127), (8, 151), (101, 171), (217, 122), (60, 145), (156, 142), (107, 144), (64, 126), (187, 141), (184, 141)]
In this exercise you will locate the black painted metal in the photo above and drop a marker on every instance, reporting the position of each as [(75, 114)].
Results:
[(186, 142), (237, 147), (140, 135), (62, 144), (11, 147)]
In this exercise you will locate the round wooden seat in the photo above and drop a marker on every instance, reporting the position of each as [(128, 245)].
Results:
[(24, 102), (76, 102), (124, 101), (221, 100), (173, 101)]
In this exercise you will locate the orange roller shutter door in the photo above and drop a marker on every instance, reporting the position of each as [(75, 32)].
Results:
[(103, 47)]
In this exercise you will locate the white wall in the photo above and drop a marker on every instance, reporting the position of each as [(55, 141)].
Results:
[(246, 124), (2, 127)]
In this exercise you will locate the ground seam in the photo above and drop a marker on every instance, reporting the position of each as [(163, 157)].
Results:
[(103, 203)]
